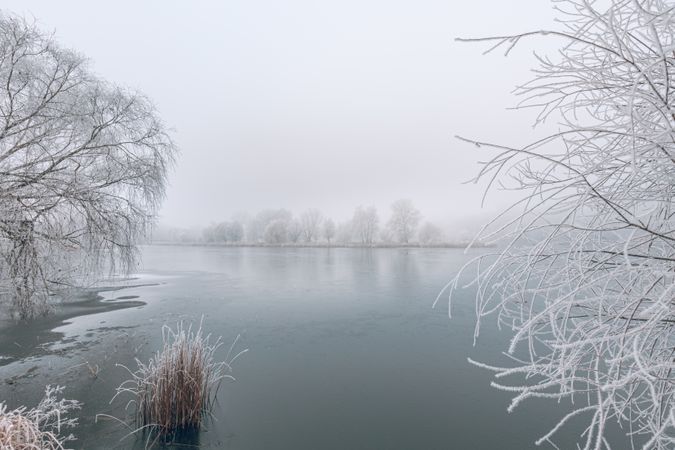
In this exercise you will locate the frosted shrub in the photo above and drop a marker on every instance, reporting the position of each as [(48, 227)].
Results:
[(39, 428)]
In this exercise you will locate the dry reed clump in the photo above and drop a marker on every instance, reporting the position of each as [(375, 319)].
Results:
[(38, 428), (178, 386)]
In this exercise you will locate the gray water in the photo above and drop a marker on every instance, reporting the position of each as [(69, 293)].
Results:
[(345, 351)]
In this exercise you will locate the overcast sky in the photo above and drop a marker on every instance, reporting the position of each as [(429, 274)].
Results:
[(309, 103)]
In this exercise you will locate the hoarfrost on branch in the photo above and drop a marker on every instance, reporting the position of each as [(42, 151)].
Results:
[(586, 275)]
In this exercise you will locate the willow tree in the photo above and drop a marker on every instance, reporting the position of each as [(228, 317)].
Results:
[(83, 167), (585, 277)]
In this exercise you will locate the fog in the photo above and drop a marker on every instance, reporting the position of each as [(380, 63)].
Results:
[(300, 104)]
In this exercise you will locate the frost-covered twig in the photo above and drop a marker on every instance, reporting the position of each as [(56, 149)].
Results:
[(39, 428), (586, 272)]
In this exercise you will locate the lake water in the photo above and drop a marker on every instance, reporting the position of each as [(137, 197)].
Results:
[(345, 351)]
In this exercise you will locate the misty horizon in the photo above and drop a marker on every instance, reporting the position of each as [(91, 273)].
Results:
[(302, 105)]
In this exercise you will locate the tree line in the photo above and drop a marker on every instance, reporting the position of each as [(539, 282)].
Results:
[(280, 227)]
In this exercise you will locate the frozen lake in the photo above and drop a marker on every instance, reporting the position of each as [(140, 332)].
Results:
[(345, 351)]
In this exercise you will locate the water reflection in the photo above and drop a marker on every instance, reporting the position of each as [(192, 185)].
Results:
[(345, 353)]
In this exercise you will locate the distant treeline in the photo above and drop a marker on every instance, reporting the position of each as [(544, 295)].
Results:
[(280, 227)]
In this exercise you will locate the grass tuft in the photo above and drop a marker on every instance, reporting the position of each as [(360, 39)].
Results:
[(38, 428), (177, 388)]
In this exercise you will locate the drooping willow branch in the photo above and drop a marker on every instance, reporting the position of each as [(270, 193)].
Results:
[(83, 167)]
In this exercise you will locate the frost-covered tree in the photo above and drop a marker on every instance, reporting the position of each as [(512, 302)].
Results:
[(276, 232), (83, 167), (365, 223), (586, 274), (344, 232), (234, 231), (386, 236), (294, 231), (210, 234), (311, 223), (404, 220), (328, 229), (255, 227), (430, 234), (231, 232)]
